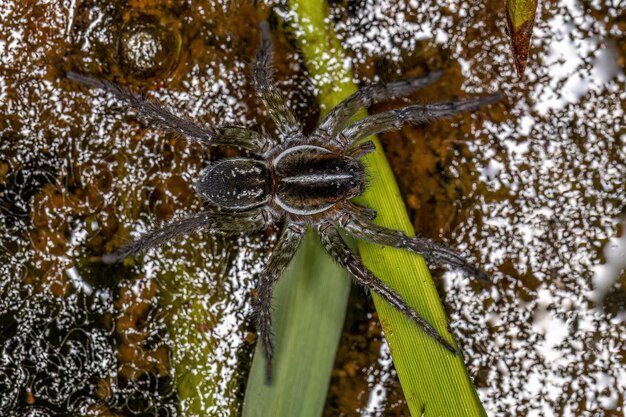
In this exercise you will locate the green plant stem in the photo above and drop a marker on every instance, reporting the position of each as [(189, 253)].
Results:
[(192, 349)]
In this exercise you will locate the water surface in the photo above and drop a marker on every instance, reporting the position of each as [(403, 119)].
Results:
[(532, 188)]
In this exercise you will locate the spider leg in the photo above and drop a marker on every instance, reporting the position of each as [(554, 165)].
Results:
[(332, 124), (263, 72), (361, 149), (166, 120), (365, 212), (226, 223), (339, 250), (420, 113), (362, 228), (283, 253)]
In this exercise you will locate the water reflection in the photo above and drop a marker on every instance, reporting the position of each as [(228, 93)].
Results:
[(535, 191), (148, 47), (606, 279)]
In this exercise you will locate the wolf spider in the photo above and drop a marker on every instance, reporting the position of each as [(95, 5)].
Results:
[(300, 181)]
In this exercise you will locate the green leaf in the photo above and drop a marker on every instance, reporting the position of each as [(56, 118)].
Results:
[(435, 382), (520, 19), (309, 309)]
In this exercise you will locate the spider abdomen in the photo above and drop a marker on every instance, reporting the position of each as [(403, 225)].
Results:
[(311, 179), (236, 184)]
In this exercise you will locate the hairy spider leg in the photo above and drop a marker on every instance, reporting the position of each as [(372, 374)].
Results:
[(339, 250), (365, 212), (225, 223), (263, 73), (363, 229), (334, 122), (420, 113), (361, 149), (153, 113), (282, 254)]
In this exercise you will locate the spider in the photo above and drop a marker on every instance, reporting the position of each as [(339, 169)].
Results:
[(298, 181)]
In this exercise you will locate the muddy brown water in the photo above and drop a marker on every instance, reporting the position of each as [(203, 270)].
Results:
[(533, 188)]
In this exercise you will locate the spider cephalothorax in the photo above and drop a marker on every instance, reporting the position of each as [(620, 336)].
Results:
[(298, 181)]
